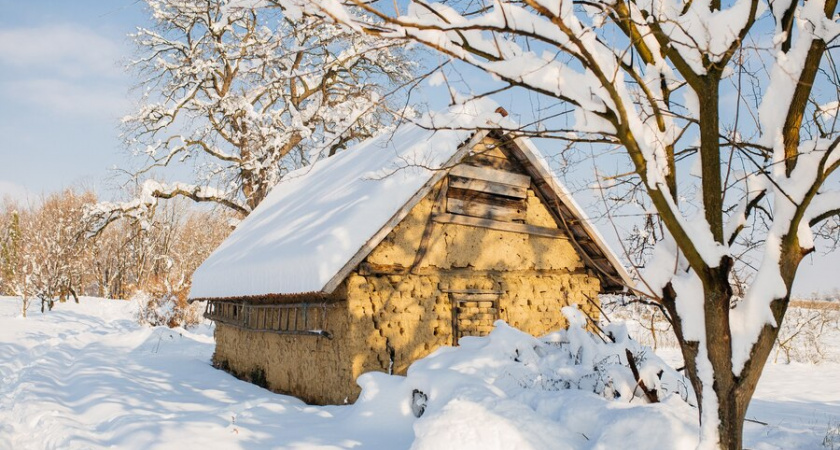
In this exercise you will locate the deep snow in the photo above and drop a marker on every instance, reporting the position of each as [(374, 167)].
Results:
[(87, 376)]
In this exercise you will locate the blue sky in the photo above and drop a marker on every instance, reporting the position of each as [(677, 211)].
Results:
[(64, 88)]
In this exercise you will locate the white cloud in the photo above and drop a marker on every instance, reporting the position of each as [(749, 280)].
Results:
[(67, 97), (66, 50)]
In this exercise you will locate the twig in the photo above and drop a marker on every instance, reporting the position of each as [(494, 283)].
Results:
[(651, 395)]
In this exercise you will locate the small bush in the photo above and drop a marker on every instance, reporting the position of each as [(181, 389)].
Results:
[(165, 309), (809, 332)]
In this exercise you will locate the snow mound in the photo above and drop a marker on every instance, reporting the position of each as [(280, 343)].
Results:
[(510, 390)]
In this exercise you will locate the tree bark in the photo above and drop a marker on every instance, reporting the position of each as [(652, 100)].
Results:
[(732, 411)]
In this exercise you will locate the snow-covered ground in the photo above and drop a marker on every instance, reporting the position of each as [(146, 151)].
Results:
[(87, 376)]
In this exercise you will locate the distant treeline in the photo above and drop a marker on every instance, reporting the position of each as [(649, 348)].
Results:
[(50, 250)]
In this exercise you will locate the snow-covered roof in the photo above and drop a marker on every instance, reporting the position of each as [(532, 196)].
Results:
[(305, 234)]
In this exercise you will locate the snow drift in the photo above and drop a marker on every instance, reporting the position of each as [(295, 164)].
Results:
[(511, 390)]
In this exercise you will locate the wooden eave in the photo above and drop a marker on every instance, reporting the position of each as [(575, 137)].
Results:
[(313, 296)]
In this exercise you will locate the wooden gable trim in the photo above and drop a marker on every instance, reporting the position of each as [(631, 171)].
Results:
[(389, 226), (567, 214)]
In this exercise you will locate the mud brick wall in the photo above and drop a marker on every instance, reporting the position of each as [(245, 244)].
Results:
[(397, 318), (312, 368)]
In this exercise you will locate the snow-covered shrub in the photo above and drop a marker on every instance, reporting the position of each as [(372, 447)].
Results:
[(646, 323), (809, 332), (604, 366), (831, 440), (165, 309), (510, 387)]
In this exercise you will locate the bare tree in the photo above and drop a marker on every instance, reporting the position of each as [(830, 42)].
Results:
[(44, 247), (647, 77), (12, 261), (48, 253), (243, 95), (156, 253)]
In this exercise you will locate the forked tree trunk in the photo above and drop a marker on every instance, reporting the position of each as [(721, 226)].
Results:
[(732, 405), (733, 393)]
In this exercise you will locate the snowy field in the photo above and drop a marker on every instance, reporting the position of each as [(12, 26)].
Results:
[(87, 376)]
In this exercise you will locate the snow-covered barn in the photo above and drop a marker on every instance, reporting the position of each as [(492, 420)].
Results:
[(375, 257)]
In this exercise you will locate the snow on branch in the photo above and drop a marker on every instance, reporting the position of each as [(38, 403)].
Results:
[(247, 95), (142, 207)]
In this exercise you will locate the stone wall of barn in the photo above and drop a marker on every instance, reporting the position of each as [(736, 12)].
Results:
[(313, 368)]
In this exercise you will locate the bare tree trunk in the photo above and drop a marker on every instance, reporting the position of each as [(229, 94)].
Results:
[(731, 412), (733, 393)]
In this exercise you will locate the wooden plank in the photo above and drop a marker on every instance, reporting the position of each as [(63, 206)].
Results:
[(601, 262), (488, 174), (487, 199), (456, 331), (317, 333), (488, 187), (592, 248), (579, 233), (484, 210), (501, 226), (483, 160)]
